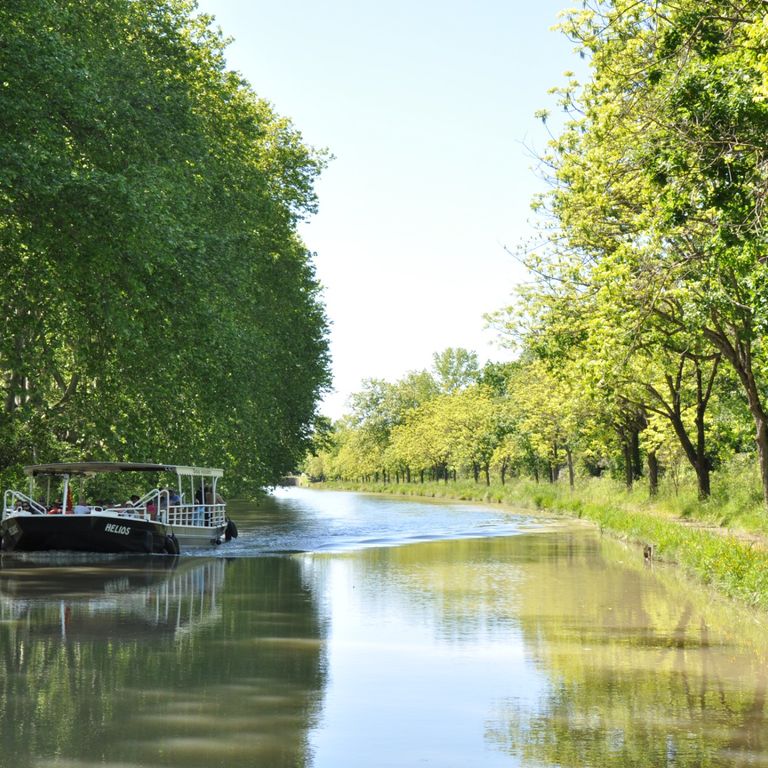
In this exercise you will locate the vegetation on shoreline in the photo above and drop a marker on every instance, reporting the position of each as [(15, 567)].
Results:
[(157, 301), (723, 542), (641, 331)]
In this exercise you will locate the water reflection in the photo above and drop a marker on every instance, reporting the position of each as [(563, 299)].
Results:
[(643, 669), (556, 649), (120, 599), (158, 662), (424, 638), (542, 645)]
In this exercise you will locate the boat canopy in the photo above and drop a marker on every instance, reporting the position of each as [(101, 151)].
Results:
[(88, 468)]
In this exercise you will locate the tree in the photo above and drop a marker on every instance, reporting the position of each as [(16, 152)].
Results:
[(155, 295), (455, 368), (472, 428), (668, 159)]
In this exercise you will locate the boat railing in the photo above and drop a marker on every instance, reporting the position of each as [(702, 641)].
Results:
[(119, 511), (16, 501), (153, 505), (208, 515), (156, 505), (150, 506)]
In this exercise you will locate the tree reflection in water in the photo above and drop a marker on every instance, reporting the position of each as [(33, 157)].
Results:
[(157, 661), (551, 648), (643, 670)]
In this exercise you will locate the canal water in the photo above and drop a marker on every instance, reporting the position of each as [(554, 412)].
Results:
[(348, 630)]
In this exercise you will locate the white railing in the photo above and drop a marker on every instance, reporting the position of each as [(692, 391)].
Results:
[(207, 515), (16, 501), (154, 505), (130, 511)]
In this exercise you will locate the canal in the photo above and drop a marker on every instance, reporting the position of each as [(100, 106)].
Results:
[(349, 630)]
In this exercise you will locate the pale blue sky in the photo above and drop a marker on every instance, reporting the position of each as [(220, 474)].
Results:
[(428, 108)]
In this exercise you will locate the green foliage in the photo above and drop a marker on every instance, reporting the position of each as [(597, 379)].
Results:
[(648, 284), (455, 368), (156, 300), (641, 332)]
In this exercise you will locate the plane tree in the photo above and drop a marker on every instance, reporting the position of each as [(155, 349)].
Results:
[(156, 299)]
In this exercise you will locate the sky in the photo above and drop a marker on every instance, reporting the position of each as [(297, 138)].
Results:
[(428, 108)]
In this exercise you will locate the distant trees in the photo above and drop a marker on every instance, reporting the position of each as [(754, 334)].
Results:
[(508, 418), (156, 300), (530, 418), (641, 335)]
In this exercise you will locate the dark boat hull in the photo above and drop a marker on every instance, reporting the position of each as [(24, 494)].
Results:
[(83, 533)]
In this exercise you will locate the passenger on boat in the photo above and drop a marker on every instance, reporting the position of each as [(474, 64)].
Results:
[(210, 500), (173, 497), (132, 501), (199, 511)]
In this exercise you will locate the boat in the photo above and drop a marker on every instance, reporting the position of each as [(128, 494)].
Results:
[(165, 520)]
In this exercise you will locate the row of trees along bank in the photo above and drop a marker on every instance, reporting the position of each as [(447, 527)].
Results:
[(642, 331), (518, 419), (157, 302)]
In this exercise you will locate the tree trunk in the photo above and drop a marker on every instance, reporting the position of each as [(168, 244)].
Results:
[(637, 461), (487, 471), (695, 449), (629, 475), (695, 454), (653, 473), (554, 464), (761, 438), (739, 355), (571, 474)]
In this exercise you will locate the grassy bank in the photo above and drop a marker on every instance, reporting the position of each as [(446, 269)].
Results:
[(723, 542)]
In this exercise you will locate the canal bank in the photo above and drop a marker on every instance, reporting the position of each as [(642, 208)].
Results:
[(700, 538)]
